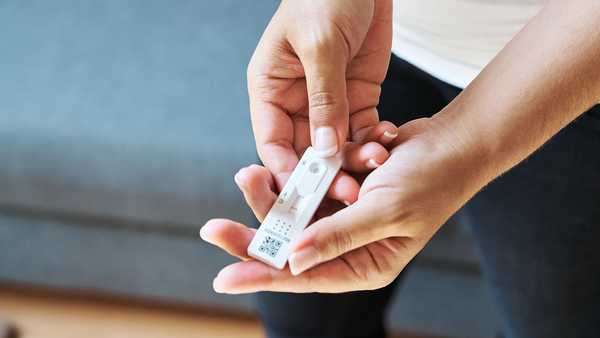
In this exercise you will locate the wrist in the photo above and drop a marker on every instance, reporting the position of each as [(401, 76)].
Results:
[(467, 157)]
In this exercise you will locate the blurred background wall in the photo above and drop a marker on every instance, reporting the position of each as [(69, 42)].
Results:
[(122, 123)]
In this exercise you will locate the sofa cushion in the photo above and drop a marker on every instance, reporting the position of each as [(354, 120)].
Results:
[(127, 109)]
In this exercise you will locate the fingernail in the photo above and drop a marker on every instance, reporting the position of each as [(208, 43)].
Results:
[(303, 260), (372, 164), (388, 136), (347, 203), (325, 142), (216, 286), (204, 236), (238, 180)]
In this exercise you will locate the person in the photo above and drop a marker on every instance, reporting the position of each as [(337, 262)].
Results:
[(475, 88)]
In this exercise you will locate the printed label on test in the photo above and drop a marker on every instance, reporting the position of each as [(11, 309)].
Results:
[(294, 208)]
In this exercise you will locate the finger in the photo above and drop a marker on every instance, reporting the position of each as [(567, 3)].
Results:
[(350, 228), (274, 92), (258, 187), (254, 276), (384, 132), (363, 98), (230, 236), (324, 54), (328, 206), (275, 150), (360, 158), (411, 128), (344, 188), (301, 132)]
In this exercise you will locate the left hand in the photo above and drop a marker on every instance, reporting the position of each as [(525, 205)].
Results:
[(366, 245)]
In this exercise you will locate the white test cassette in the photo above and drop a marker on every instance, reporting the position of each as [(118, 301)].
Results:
[(294, 208)]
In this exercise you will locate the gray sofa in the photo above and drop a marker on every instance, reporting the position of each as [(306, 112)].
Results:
[(121, 126)]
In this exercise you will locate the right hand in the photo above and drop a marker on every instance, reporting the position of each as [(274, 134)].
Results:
[(316, 76)]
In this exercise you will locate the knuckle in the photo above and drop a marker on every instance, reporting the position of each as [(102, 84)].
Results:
[(322, 99), (319, 40), (324, 106), (315, 48), (327, 39)]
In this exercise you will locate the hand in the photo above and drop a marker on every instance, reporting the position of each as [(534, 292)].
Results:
[(316, 73), (366, 245)]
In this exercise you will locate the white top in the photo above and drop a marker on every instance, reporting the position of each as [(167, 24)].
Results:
[(454, 40)]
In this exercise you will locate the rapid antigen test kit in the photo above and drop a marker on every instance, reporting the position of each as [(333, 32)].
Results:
[(294, 208)]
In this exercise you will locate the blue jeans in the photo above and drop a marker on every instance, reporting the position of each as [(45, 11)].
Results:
[(537, 226)]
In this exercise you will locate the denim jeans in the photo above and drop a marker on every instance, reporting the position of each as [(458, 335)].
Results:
[(537, 227)]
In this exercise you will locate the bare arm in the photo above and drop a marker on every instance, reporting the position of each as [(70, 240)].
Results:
[(543, 79)]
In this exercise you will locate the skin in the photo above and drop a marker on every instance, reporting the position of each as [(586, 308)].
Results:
[(542, 80), (321, 63)]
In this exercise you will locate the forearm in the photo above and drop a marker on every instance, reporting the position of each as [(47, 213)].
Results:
[(542, 80)]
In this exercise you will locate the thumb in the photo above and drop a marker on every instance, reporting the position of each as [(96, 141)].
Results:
[(332, 236), (324, 62)]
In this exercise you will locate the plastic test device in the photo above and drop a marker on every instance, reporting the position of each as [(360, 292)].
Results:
[(294, 208)]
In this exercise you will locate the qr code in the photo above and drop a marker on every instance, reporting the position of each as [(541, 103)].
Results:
[(270, 246)]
